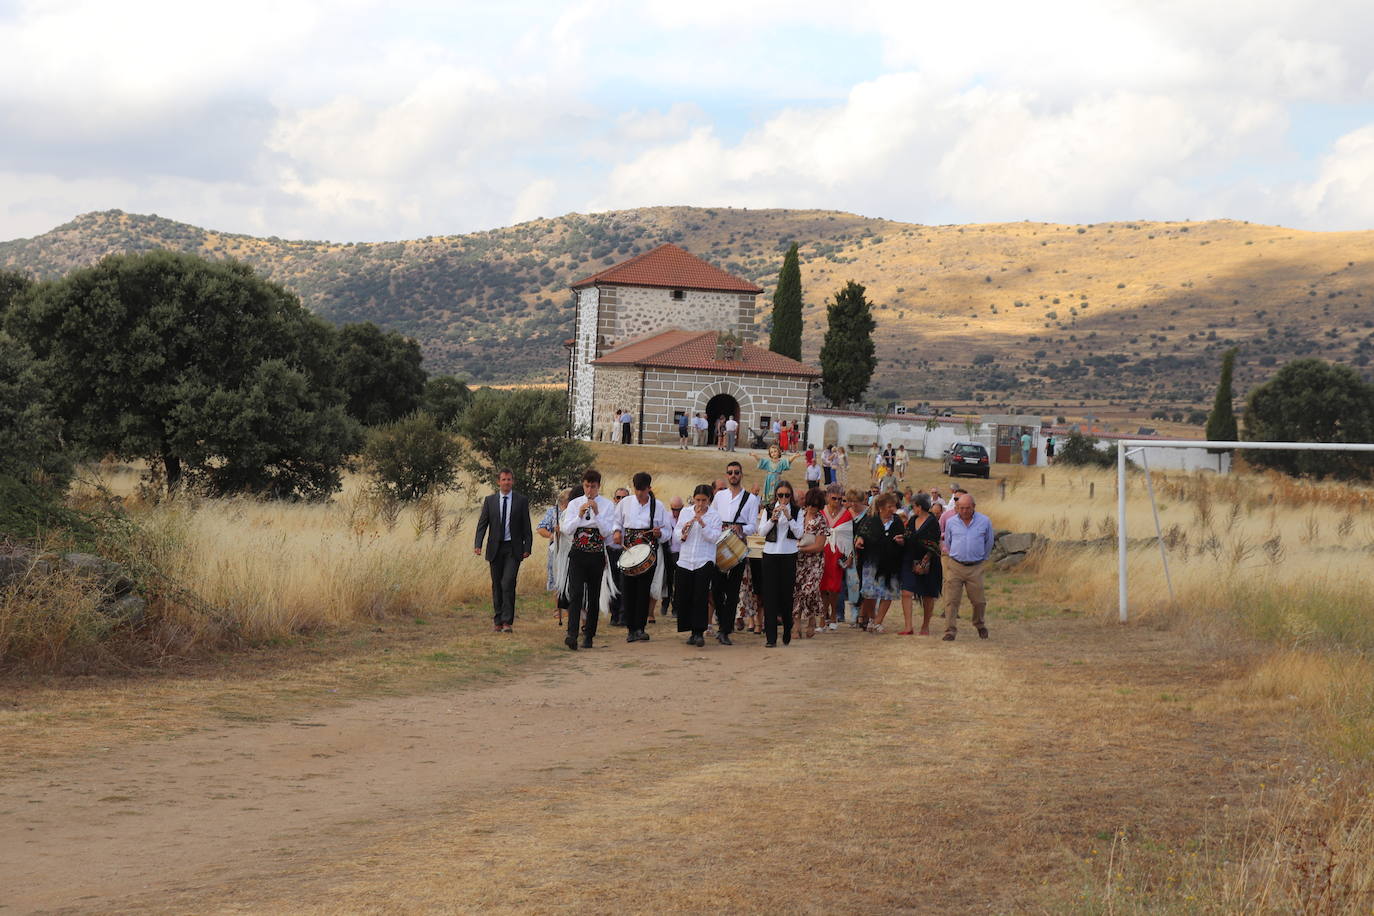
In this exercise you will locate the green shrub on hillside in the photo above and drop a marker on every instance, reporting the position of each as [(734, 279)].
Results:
[(411, 458), (524, 430)]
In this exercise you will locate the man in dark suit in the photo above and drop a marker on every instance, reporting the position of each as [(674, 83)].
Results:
[(507, 515)]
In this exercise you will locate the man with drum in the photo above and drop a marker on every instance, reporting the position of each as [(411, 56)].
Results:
[(738, 511), (590, 520), (644, 524)]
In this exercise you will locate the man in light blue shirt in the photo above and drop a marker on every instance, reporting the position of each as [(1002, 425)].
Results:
[(968, 543)]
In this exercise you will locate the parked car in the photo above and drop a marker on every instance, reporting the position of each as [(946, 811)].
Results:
[(967, 458)]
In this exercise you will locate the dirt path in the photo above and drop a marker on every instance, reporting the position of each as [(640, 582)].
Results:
[(868, 773)]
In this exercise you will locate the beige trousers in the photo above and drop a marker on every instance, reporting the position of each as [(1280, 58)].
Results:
[(958, 579)]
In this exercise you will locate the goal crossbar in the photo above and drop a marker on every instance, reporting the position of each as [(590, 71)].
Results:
[(1132, 445)]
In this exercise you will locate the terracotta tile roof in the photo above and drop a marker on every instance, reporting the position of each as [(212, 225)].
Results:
[(697, 350), (669, 266)]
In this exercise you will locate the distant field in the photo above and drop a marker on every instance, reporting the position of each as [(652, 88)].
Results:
[(1133, 313)]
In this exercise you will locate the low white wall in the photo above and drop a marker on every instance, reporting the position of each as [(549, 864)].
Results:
[(857, 433), (1173, 459)]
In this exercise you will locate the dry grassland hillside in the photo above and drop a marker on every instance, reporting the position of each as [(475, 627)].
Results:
[(1129, 314)]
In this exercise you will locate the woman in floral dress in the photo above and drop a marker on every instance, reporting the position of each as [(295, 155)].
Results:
[(807, 606)]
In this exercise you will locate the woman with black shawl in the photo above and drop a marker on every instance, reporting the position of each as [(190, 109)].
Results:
[(882, 539)]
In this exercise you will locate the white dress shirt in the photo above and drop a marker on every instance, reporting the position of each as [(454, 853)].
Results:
[(727, 504), (783, 544), (603, 521), (634, 515), (697, 543)]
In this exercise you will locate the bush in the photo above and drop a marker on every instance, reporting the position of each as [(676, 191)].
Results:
[(30, 433), (411, 458), (523, 430), (1309, 400), (445, 399), (1082, 451)]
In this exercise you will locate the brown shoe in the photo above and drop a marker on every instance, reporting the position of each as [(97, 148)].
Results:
[(982, 632), (949, 637)]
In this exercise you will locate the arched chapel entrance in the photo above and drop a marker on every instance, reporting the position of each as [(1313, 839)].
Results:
[(722, 405)]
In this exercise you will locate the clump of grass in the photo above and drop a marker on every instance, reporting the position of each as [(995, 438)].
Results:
[(1302, 847), (51, 616)]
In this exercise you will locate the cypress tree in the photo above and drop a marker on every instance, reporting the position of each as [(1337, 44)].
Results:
[(847, 356), (787, 308), (1221, 422)]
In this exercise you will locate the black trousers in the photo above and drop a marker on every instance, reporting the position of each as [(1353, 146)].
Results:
[(504, 570), (725, 592), (634, 599), (692, 592), (584, 589), (779, 584), (625, 433)]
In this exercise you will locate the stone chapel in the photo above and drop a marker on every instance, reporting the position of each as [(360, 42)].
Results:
[(665, 333)]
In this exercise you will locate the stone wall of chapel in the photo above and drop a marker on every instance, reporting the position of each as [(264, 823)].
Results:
[(667, 391), (582, 385), (617, 388), (637, 311)]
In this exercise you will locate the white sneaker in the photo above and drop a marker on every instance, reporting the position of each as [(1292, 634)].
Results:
[(876, 628), (833, 626)]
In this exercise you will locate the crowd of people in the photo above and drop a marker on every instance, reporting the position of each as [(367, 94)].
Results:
[(767, 559)]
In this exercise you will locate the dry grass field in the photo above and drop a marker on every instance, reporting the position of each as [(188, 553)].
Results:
[(371, 749)]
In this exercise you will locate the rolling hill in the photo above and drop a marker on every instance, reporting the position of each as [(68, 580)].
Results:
[(1017, 314)]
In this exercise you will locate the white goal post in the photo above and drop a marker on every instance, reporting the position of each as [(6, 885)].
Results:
[(1124, 446)]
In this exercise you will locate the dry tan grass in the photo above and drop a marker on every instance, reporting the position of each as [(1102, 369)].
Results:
[(51, 615)]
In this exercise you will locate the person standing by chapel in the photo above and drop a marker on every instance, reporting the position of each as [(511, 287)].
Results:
[(506, 516), (626, 419)]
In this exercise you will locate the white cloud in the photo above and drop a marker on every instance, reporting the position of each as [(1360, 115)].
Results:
[(534, 201), (355, 119), (1342, 196)]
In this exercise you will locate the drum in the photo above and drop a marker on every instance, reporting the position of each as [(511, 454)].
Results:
[(636, 560), (730, 549)]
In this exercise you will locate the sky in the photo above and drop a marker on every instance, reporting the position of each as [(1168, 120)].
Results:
[(364, 121)]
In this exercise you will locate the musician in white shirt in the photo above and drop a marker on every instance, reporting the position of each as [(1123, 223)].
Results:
[(697, 531), (590, 521), (642, 520), (781, 527), (738, 510)]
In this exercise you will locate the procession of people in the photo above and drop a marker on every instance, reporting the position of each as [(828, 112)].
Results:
[(767, 559)]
